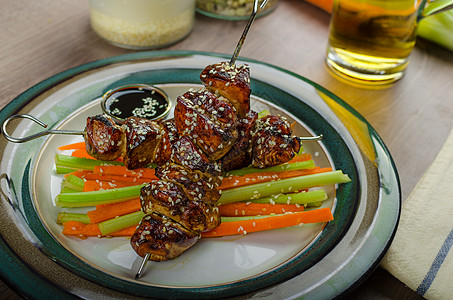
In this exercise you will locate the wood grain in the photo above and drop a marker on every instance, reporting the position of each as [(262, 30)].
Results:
[(42, 38)]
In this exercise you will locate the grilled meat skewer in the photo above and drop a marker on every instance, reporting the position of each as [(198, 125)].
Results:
[(186, 191), (260, 142), (207, 133)]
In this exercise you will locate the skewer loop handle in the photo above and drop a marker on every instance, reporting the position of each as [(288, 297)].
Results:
[(36, 135)]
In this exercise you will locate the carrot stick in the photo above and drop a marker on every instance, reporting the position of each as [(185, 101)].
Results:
[(80, 230), (123, 171), (80, 174), (74, 146), (81, 153), (125, 232), (256, 209), (237, 181), (96, 185), (110, 211), (272, 222), (300, 157)]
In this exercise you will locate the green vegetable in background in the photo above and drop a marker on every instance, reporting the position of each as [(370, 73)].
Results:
[(436, 23)]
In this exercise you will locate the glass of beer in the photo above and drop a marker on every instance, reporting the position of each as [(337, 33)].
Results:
[(370, 40)]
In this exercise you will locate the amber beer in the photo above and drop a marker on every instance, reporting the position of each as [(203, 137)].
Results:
[(370, 41)]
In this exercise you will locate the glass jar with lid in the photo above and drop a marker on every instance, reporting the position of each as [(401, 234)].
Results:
[(142, 24), (232, 9)]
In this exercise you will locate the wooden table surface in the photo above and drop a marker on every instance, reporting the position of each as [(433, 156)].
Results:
[(41, 38)]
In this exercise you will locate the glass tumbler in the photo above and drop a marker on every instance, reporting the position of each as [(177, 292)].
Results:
[(370, 40)]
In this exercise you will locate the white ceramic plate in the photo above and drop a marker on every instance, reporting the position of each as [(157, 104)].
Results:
[(311, 261)]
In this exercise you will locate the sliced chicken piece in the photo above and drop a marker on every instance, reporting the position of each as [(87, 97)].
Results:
[(168, 198), (208, 120), (169, 137), (104, 139), (231, 82), (273, 143), (143, 137), (240, 156), (188, 155), (195, 184), (162, 237)]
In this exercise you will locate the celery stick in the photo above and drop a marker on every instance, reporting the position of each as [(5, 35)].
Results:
[(73, 182), (65, 217), (287, 185), (63, 170), (78, 163), (65, 189), (263, 113), (81, 199), (301, 150), (308, 164), (302, 198), (120, 223)]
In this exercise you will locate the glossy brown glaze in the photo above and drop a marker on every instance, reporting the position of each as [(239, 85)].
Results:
[(169, 136), (196, 186), (273, 142), (143, 137), (162, 237), (240, 155), (231, 82), (168, 198), (208, 120), (104, 139), (187, 154)]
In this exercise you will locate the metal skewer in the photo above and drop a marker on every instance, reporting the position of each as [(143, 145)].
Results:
[(309, 138), (36, 135), (142, 265), (246, 30), (77, 132)]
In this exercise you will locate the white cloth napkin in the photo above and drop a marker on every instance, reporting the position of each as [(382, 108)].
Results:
[(421, 254)]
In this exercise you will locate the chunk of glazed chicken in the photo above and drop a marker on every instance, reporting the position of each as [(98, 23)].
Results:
[(208, 120), (188, 155), (272, 142), (162, 238), (104, 139), (240, 156), (168, 198), (143, 137), (231, 82), (196, 185), (168, 137)]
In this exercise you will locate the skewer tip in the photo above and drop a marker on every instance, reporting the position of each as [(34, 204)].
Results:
[(142, 266), (310, 138)]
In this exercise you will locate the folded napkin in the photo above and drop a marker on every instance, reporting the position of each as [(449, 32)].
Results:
[(421, 254)]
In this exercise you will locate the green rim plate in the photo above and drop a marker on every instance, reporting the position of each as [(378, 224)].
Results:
[(344, 253)]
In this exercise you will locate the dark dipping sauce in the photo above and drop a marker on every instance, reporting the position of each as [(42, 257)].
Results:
[(136, 100)]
